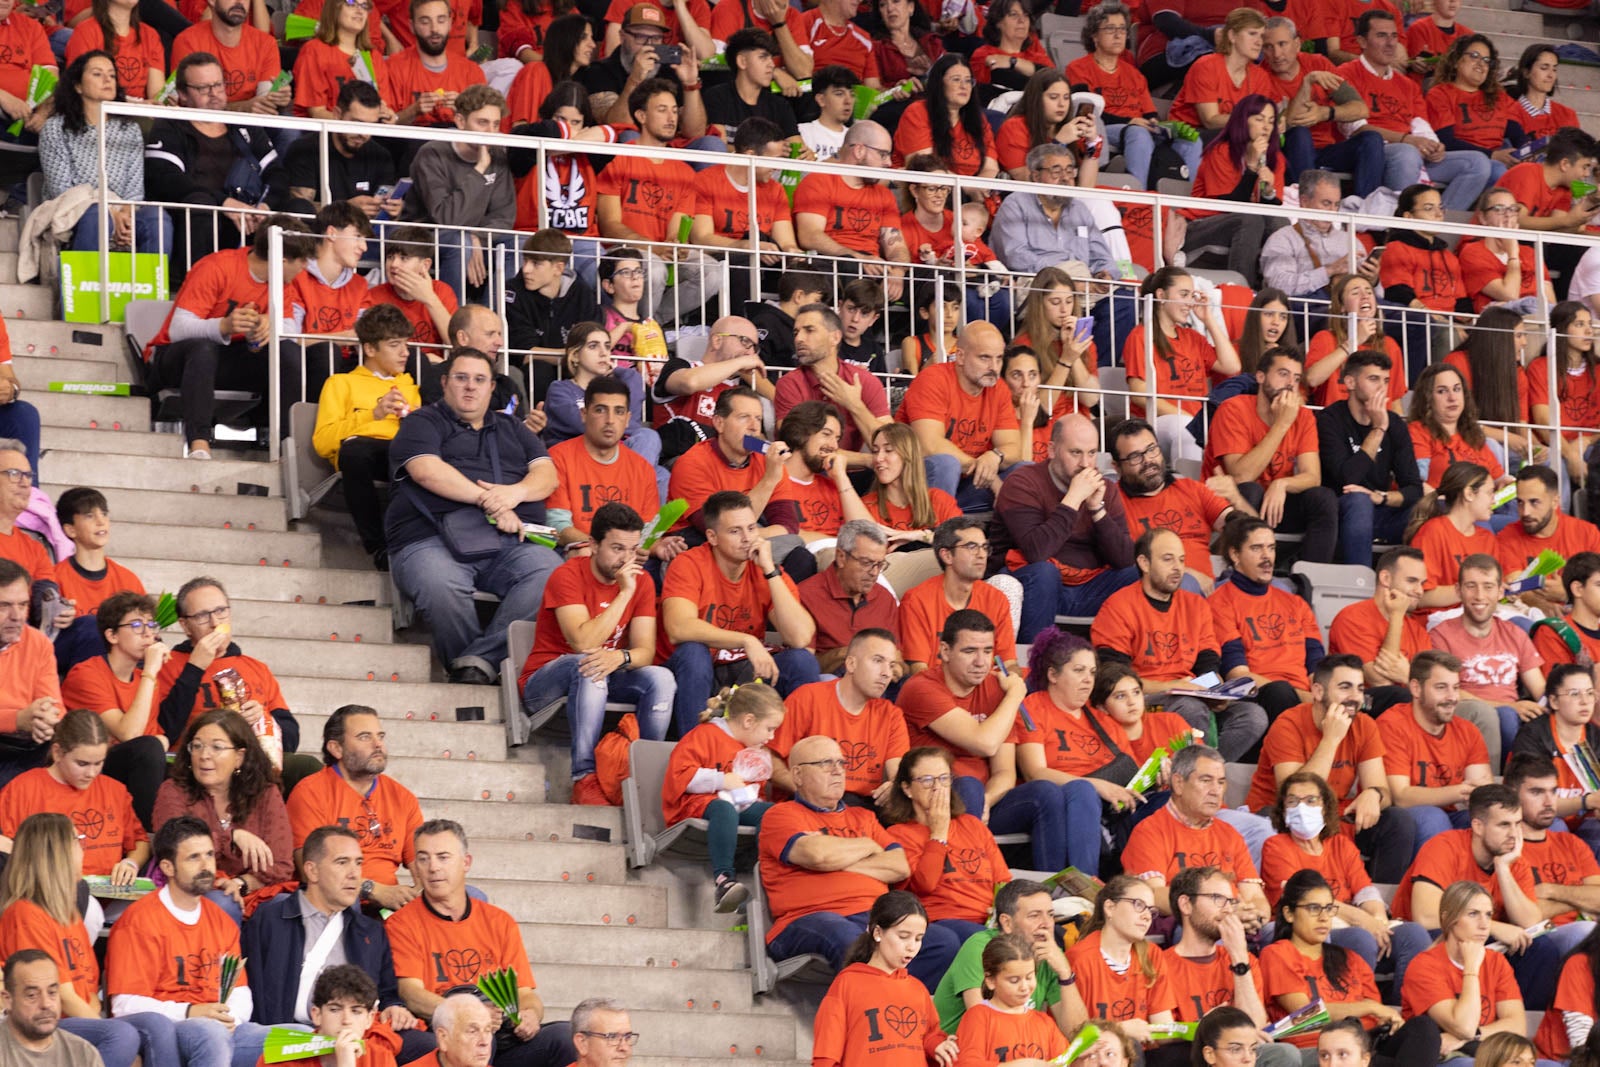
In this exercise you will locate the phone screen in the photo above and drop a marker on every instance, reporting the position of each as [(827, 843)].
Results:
[(752, 443)]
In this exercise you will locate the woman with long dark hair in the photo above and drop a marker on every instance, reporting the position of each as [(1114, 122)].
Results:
[(1445, 525), (902, 502), (1243, 165), (1577, 375), (906, 46), (1532, 86), (1040, 117), (1445, 430), (1011, 52), (1468, 109), (1490, 362), (1268, 324), (113, 27), (949, 122), (1118, 695), (569, 46), (1068, 367)]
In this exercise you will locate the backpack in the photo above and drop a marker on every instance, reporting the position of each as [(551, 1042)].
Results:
[(611, 758)]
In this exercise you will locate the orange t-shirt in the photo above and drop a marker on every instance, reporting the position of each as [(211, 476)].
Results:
[(1479, 267), (818, 500), (1580, 399), (1285, 972), (1425, 760), (853, 216), (443, 954), (702, 471), (26, 925), (989, 1035), (1157, 728), (924, 609), (740, 605), (899, 518), (914, 135), (409, 78), (1574, 992), (214, 287), (91, 684), (1070, 742), (1182, 372), (1433, 977), (1119, 997), (574, 584), (1360, 629), (28, 552), (969, 421), (958, 880), (102, 814), (526, 95), (385, 819), (1333, 390), (1293, 737), (707, 745), (1208, 82), (24, 46), (152, 954), (327, 309), (244, 66), (1274, 628), (257, 675), (136, 55), (1339, 863), (869, 738), (1560, 859), (1533, 192), (423, 331), (650, 194), (1203, 984), (1440, 454), (1476, 121), (1432, 274), (794, 891), (1237, 427), (848, 47), (1447, 858), (1392, 102), (1125, 89), (1162, 645), (1219, 176), (1011, 144), (1444, 547), (1515, 549), (89, 593), (872, 1019), (1185, 506), (927, 697), (1160, 846), (463, 13), (583, 483), (1426, 37), (320, 71), (729, 207)]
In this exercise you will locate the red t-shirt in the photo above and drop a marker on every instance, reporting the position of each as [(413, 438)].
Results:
[(1444, 547), (1560, 859), (1070, 742), (1219, 176), (244, 66), (444, 954), (1291, 739), (326, 309), (1274, 628), (1125, 90), (1032, 51), (1237, 427), (1163, 645), (740, 605), (969, 421), (1156, 729), (89, 593), (651, 193), (1479, 267), (1426, 37), (997, 1036), (942, 240), (1185, 506), (1360, 629), (1208, 82), (1392, 102), (847, 47), (23, 46), (912, 135), (1515, 549), (1433, 977), (1339, 863), (463, 13), (1198, 985), (1476, 120), (423, 330), (794, 891), (821, 507), (708, 745), (320, 71), (729, 207), (102, 814), (1533, 192), (92, 685), (573, 584), (926, 698), (1574, 992), (853, 216), (1440, 454), (1432, 274), (1119, 997), (136, 55), (25, 925), (385, 819), (409, 78), (528, 90), (584, 484), (704, 470), (852, 1027), (1580, 397), (1286, 972), (1183, 371), (869, 738), (956, 880), (1333, 390), (1447, 858), (152, 954)]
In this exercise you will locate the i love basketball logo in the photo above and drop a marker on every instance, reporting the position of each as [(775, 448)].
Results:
[(90, 823), (858, 755), (967, 860), (902, 1019), (1273, 625)]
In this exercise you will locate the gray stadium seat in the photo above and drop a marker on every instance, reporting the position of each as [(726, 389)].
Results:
[(1335, 586), (307, 477), (765, 971), (644, 826)]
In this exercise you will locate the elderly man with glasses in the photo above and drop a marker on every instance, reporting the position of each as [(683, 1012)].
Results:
[(602, 1033), (1032, 232), (847, 598)]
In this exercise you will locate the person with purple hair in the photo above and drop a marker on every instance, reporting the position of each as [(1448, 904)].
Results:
[(1243, 165)]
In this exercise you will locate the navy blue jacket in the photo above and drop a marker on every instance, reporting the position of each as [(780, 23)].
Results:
[(274, 943)]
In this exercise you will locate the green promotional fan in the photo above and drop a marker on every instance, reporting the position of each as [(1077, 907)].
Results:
[(285, 1045), (501, 989)]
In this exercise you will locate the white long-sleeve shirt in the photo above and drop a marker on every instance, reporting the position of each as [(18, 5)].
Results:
[(240, 1002)]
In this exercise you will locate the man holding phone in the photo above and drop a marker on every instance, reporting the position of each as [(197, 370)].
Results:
[(360, 169)]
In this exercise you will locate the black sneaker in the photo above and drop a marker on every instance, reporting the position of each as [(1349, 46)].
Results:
[(470, 675), (731, 895)]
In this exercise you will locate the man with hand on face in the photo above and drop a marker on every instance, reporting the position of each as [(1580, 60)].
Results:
[(686, 393), (409, 285), (717, 603), (1432, 757), (1541, 524), (595, 643), (427, 78), (249, 57), (358, 167), (32, 1031), (597, 467), (1367, 459), (30, 705), (1329, 736), (1565, 875), (853, 712), (727, 462), (1382, 633), (816, 475), (846, 598), (283, 940), (822, 375)]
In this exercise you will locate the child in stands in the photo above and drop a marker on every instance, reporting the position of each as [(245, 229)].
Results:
[(344, 1007), (88, 576), (545, 302), (633, 333), (121, 684), (835, 91), (929, 347), (409, 285), (1004, 1026)]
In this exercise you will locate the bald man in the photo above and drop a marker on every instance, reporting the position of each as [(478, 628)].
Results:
[(844, 217), (1062, 531), (822, 375), (961, 411), (689, 389), (466, 1032)]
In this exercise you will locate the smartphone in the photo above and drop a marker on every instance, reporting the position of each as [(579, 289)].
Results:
[(1376, 253), (398, 192), (1084, 111), (383, 192), (752, 443), (669, 55), (1084, 330)]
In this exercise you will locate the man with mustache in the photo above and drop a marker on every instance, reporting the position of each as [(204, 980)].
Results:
[(358, 166), (1541, 524), (961, 409), (249, 57), (32, 1000), (1433, 759), (427, 77), (1280, 637), (1331, 737), (815, 475), (1267, 446)]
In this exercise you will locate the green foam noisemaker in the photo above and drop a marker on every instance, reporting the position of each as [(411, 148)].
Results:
[(285, 1045), (1181, 131), (92, 388), (284, 79), (231, 967), (1146, 778), (1167, 1031), (869, 99), (665, 520), (1312, 1016), (501, 989), (166, 610), (41, 84), (299, 28), (1080, 1044)]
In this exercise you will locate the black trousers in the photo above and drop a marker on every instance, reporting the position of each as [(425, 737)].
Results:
[(140, 764), (1313, 513), (197, 368), (1387, 846), (363, 461)]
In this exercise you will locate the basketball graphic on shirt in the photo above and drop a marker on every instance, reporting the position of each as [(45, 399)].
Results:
[(1553, 871), (1022, 1050), (235, 81), (967, 860), (903, 1019), (12, 57), (1272, 625), (463, 964), (199, 968), (855, 219), (857, 754), (1165, 520), (324, 319), (131, 65), (730, 616), (1162, 646), (1123, 1008), (1198, 859), (90, 824)]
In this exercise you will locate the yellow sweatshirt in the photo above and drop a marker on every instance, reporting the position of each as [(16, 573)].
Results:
[(345, 409)]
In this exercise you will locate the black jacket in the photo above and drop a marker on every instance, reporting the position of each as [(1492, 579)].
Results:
[(1339, 438), (1537, 738), (274, 941), (173, 144)]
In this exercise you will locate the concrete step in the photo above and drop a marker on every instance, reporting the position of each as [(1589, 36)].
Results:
[(680, 989), (96, 412), (342, 659), (37, 337), (283, 584), (113, 442), (693, 1036), (435, 701), (39, 371), (658, 949), (535, 822), (1495, 22), (217, 476), (8, 268), (318, 622), (584, 863), (23, 302), (678, 1061), (199, 510), (461, 779), (622, 907), (456, 740), (247, 548)]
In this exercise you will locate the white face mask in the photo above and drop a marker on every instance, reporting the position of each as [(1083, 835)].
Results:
[(1305, 821)]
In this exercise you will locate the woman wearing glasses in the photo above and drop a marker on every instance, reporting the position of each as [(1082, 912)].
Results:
[(1306, 816), (341, 50), (1468, 109), (1121, 976), (1303, 964), (1500, 269), (1570, 692), (222, 776)]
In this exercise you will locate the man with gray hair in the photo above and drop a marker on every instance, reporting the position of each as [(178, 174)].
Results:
[(1301, 258), (1031, 232), (847, 597), (465, 1029), (1319, 103), (843, 215), (603, 1033)]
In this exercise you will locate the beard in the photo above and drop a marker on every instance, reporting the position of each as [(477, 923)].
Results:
[(433, 46)]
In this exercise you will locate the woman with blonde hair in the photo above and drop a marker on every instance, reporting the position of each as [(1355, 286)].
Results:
[(588, 356), (1354, 325), (1116, 966), (904, 504), (341, 50)]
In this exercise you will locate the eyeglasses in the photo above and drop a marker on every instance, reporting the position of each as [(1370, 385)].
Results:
[(1113, 31), (138, 626), (1153, 454), (1302, 802), (873, 567), (832, 766), (928, 781), (618, 1039), (886, 153), (16, 476), (1237, 1050), (216, 751), (479, 380), (745, 343), (361, 4), (214, 87), (1221, 900), (959, 83), (979, 547), (1501, 209), (628, 272), (1476, 57), (1319, 909), (1139, 906), (214, 615)]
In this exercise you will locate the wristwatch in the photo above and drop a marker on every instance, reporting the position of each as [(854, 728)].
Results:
[(627, 657), (1240, 969), (773, 573), (366, 889)]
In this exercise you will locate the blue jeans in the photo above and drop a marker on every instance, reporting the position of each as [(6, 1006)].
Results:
[(1405, 942), (442, 588), (831, 936), (1362, 523), (1537, 969), (1510, 726), (995, 309), (454, 248), (1138, 145), (1255, 829), (1465, 172), (722, 831), (1045, 595), (115, 1039), (1360, 156), (152, 231), (1433, 820), (202, 1042), (1114, 318), (20, 420), (649, 689), (1062, 821), (944, 472), (698, 677)]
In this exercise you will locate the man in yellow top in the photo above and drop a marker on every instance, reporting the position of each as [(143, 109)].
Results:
[(359, 413)]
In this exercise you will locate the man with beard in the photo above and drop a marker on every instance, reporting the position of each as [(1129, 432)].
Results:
[(724, 463), (848, 217), (846, 598), (597, 468), (1565, 875), (1155, 498), (1059, 532), (358, 167), (352, 790), (1382, 632), (1495, 654), (1302, 257), (822, 375), (1165, 634), (815, 475), (1433, 759), (962, 410), (32, 1000), (1367, 459), (1267, 445), (165, 949), (249, 57), (284, 940), (1329, 736), (963, 552), (426, 78), (1541, 524), (854, 713), (1282, 643), (595, 642), (686, 393)]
